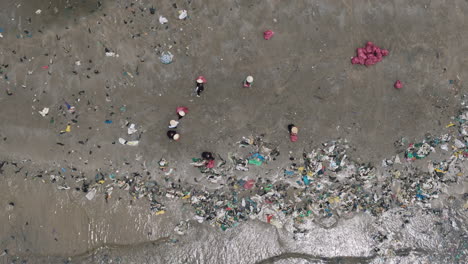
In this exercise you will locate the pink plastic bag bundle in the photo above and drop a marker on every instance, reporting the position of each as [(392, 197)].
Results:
[(369, 55), (268, 34), (398, 84)]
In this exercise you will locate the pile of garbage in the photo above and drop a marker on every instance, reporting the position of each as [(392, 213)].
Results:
[(257, 153), (322, 185)]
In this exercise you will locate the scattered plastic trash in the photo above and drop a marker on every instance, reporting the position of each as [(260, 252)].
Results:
[(398, 84), (210, 164), (166, 57), (249, 184), (67, 130), (108, 121), (131, 129), (90, 195), (268, 34), (44, 111), (369, 55), (459, 144), (71, 109), (163, 20), (255, 162), (128, 74), (129, 143), (112, 54), (183, 14), (306, 180)]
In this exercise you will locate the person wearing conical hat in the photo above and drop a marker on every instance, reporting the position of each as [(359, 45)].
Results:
[(173, 124), (293, 130), (172, 134), (248, 82), (200, 85), (181, 111)]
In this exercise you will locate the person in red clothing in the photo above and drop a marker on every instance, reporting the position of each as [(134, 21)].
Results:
[(181, 111), (248, 82), (293, 132)]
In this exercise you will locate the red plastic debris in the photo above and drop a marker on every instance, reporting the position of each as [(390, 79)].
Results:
[(398, 84), (210, 164), (249, 184), (269, 217), (293, 137), (268, 34), (369, 55)]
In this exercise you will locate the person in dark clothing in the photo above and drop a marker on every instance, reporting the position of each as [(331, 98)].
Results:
[(200, 87), (209, 159), (207, 155), (172, 134)]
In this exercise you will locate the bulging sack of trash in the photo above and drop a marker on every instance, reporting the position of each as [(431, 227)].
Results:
[(166, 57), (268, 34)]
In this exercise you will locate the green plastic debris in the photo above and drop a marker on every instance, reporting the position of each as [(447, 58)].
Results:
[(255, 162)]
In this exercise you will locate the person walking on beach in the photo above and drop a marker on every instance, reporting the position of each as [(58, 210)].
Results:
[(200, 85), (172, 134), (181, 111), (293, 130), (173, 124), (248, 82)]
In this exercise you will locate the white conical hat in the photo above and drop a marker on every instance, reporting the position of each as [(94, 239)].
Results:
[(249, 79), (181, 113), (176, 137), (199, 80), (294, 130), (173, 123)]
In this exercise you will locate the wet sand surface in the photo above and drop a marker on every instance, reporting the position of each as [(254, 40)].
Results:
[(303, 75)]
